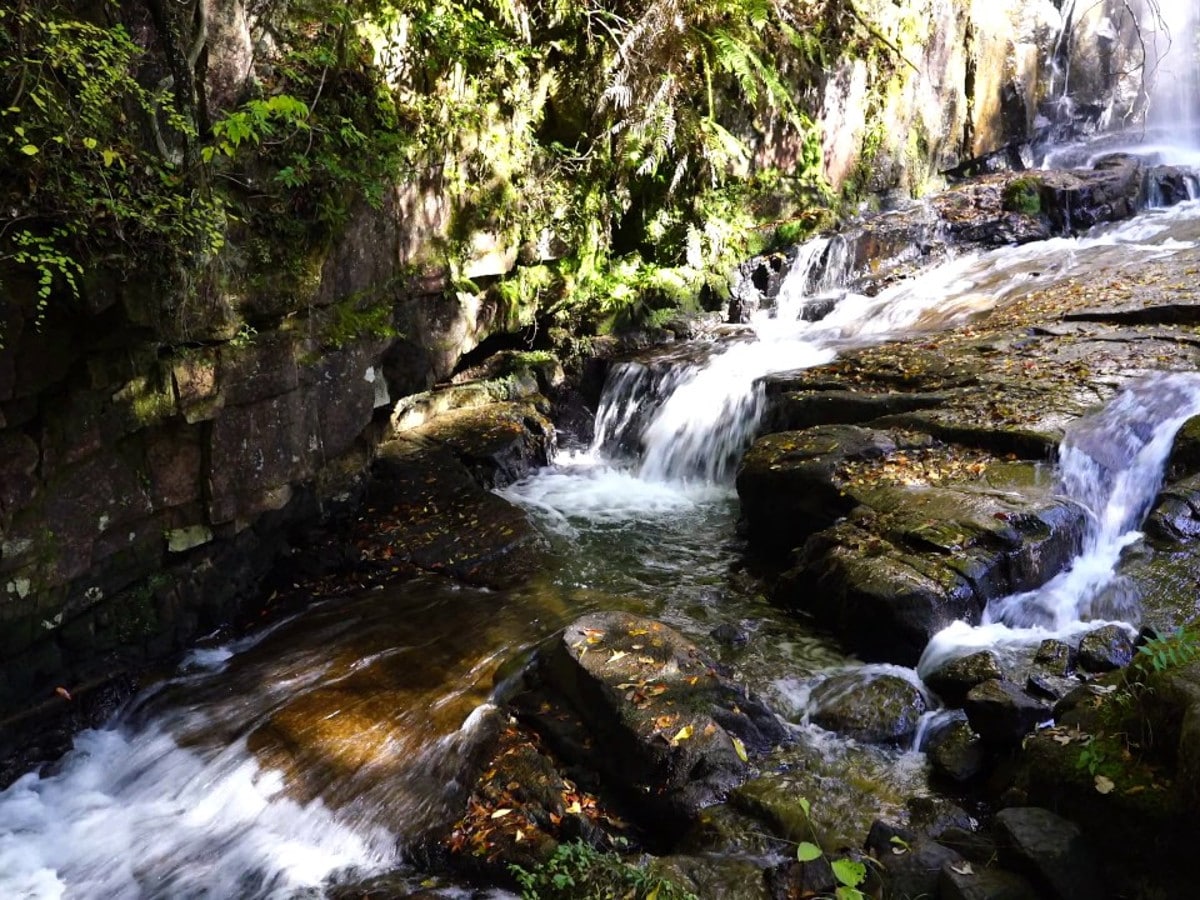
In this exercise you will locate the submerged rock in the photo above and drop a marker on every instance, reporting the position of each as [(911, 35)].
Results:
[(876, 709)]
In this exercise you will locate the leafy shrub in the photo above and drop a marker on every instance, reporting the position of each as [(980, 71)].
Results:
[(578, 871)]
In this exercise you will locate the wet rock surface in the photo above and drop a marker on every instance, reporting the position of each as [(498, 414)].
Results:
[(430, 508), (1105, 649), (663, 726), (911, 559), (956, 752), (890, 545), (955, 679), (875, 709), (1002, 713)]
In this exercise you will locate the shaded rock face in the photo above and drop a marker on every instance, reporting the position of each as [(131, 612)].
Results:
[(1050, 851), (956, 752), (1104, 649), (1002, 713), (137, 462), (663, 727)]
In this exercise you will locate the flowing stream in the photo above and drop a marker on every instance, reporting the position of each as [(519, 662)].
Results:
[(313, 754)]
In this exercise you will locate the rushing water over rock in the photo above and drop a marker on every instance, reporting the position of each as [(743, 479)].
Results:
[(1112, 464), (692, 416)]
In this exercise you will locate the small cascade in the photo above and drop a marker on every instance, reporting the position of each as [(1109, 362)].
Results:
[(1111, 464), (1060, 65), (817, 277), (133, 815), (633, 392)]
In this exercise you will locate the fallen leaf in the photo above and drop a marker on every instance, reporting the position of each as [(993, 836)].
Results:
[(1104, 784), (739, 748), (682, 734), (63, 692), (963, 868), (500, 813)]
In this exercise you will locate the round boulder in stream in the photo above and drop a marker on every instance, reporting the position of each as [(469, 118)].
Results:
[(869, 707), (666, 728), (1104, 649)]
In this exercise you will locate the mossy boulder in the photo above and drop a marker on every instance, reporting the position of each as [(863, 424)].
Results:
[(952, 681), (868, 707)]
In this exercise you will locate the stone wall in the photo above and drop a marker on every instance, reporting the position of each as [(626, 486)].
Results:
[(146, 486)]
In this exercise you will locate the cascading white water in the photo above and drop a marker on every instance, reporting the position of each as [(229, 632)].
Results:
[(691, 420), (135, 816), (1112, 464), (1171, 38)]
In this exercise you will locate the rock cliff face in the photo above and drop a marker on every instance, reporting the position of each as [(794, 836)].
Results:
[(146, 488)]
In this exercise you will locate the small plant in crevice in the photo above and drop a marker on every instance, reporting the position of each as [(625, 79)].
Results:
[(1022, 195), (1168, 651)]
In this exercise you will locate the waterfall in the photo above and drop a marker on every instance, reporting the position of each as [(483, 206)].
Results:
[(693, 418), (1171, 39), (1112, 464)]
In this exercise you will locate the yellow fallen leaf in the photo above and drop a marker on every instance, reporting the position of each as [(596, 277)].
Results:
[(575, 809), (739, 748), (1104, 784), (682, 734), (501, 813), (616, 655)]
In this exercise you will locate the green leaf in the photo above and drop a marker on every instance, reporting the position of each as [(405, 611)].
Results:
[(29, 150), (90, 143), (806, 806), (849, 872), (807, 851)]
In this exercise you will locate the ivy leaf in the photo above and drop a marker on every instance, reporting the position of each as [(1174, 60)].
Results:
[(29, 150), (806, 851)]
